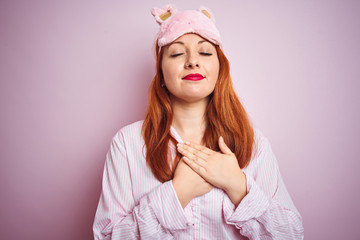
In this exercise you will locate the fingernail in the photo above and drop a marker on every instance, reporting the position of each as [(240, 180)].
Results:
[(186, 142)]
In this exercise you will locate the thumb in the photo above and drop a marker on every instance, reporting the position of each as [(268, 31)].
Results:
[(223, 147)]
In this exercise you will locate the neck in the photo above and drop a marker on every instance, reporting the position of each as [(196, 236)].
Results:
[(189, 119)]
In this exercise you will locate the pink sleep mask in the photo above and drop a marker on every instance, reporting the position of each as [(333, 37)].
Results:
[(174, 24)]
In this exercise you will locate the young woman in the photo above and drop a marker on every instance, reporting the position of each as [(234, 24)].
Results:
[(194, 168)]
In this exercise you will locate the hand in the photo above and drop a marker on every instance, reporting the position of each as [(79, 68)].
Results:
[(221, 169), (188, 184)]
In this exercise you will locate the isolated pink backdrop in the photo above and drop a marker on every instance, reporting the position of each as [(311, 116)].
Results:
[(74, 72)]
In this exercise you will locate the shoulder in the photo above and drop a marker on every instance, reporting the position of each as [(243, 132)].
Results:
[(262, 150), (260, 140), (129, 132), (133, 128)]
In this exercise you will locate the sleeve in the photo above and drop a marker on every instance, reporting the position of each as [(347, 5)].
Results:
[(157, 216), (267, 211)]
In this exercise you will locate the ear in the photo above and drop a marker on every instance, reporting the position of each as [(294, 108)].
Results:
[(207, 12), (162, 14)]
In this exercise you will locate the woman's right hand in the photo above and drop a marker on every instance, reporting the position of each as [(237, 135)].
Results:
[(188, 184)]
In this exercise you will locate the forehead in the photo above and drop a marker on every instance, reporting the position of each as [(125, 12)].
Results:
[(189, 39)]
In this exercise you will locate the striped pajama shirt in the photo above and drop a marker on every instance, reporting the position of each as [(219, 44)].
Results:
[(134, 204)]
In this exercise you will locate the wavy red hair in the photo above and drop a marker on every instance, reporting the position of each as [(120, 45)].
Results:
[(226, 117)]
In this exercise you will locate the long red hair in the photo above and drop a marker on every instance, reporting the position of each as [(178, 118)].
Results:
[(226, 117)]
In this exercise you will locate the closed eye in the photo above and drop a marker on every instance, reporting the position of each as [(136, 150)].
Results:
[(176, 54), (206, 54)]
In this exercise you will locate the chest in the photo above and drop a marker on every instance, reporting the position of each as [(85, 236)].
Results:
[(201, 210)]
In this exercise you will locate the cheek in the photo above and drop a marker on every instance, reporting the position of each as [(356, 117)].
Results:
[(170, 78), (215, 69), (169, 71)]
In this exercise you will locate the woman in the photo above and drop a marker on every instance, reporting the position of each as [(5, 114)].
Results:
[(194, 168)]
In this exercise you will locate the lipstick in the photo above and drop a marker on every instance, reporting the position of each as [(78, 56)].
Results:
[(193, 77)]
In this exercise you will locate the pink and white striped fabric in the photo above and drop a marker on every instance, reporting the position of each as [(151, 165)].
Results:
[(134, 204)]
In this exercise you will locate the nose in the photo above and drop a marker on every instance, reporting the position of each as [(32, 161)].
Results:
[(192, 61)]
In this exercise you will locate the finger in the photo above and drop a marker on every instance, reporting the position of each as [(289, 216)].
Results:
[(199, 161), (192, 154), (198, 147), (195, 166), (223, 147)]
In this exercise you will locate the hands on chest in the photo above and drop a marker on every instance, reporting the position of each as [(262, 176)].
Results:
[(200, 169)]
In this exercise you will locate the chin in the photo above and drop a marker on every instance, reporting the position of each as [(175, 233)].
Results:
[(194, 98), (190, 96)]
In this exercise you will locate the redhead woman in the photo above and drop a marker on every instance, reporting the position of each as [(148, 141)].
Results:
[(194, 168)]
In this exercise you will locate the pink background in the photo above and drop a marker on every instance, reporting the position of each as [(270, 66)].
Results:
[(74, 72)]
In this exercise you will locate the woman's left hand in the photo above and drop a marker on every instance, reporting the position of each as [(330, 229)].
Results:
[(220, 169)]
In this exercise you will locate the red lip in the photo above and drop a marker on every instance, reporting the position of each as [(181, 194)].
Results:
[(193, 77)]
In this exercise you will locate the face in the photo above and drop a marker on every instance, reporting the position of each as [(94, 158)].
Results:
[(190, 67)]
